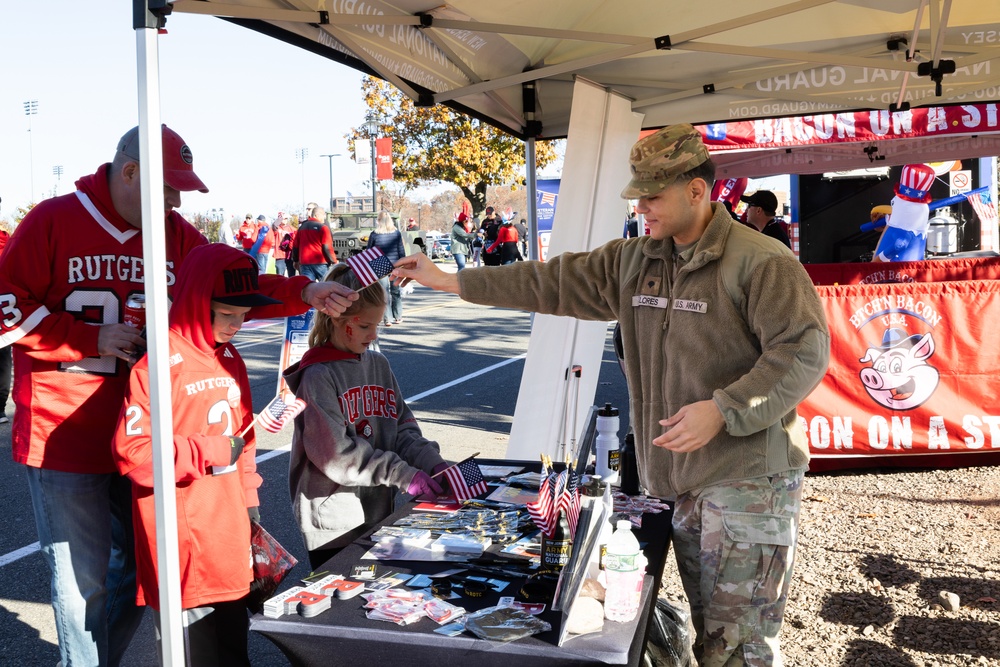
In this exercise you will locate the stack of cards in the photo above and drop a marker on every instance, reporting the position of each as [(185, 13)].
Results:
[(276, 606)]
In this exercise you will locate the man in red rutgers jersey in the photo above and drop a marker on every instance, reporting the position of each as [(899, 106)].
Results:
[(64, 279), (215, 469)]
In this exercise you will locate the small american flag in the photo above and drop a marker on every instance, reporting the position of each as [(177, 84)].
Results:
[(370, 265), (466, 480), (570, 500), (540, 511), (280, 411), (988, 220)]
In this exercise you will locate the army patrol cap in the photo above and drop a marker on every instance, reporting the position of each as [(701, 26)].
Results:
[(657, 160)]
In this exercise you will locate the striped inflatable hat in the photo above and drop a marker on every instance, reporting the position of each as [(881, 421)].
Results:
[(915, 183)]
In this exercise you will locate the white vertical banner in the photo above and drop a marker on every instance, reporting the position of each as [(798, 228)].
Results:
[(363, 151), (602, 129)]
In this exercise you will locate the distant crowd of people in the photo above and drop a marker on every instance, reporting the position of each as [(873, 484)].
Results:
[(494, 241)]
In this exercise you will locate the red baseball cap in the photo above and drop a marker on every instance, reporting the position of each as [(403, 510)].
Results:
[(178, 162)]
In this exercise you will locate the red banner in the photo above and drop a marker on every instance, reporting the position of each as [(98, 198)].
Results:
[(863, 126), (383, 158), (875, 273), (914, 369)]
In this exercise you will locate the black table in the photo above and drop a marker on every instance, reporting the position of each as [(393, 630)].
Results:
[(343, 635)]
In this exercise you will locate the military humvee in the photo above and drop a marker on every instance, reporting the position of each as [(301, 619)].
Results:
[(351, 230)]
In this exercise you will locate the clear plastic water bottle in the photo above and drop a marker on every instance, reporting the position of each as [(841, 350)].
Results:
[(624, 567), (607, 446)]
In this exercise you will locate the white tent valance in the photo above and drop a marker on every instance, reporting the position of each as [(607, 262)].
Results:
[(710, 61)]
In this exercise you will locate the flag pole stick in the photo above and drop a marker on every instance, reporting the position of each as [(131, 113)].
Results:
[(465, 460), (249, 426)]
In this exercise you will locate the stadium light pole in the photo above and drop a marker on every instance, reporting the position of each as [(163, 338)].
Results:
[(371, 125), (300, 155), (57, 171), (31, 109), (329, 158)]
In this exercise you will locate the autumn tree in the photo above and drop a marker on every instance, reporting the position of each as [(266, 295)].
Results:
[(440, 144)]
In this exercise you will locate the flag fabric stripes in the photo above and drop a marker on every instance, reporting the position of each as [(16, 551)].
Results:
[(988, 219), (569, 502), (278, 412), (369, 266), (465, 479), (540, 511)]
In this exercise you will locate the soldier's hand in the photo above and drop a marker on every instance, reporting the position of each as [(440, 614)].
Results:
[(691, 427), (119, 340), (419, 267)]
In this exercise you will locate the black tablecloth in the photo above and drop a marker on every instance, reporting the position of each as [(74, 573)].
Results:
[(343, 635)]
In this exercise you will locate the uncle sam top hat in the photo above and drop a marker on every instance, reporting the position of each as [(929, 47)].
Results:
[(915, 183)]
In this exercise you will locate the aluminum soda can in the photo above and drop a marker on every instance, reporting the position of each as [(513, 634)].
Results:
[(135, 310)]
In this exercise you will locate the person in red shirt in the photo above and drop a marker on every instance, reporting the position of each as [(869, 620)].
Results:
[(247, 233), (284, 237), (312, 249), (66, 278), (507, 243), (214, 466), (262, 243)]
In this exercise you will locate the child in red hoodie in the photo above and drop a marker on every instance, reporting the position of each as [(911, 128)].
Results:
[(215, 469)]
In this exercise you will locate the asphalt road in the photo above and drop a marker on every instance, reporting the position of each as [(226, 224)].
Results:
[(441, 343)]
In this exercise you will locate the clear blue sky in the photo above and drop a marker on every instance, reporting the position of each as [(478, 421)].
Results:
[(243, 102)]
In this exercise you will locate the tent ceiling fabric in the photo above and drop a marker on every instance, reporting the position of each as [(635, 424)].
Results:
[(717, 60)]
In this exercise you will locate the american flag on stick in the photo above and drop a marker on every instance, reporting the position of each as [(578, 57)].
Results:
[(540, 511), (569, 502), (280, 411), (369, 266), (466, 479)]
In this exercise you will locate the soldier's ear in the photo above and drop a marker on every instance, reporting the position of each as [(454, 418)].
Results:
[(698, 189)]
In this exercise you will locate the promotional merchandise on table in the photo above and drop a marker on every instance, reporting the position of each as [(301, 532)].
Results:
[(474, 573)]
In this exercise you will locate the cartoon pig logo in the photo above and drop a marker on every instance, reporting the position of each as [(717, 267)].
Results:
[(899, 376)]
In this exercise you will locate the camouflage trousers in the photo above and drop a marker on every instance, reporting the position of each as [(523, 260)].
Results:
[(735, 546)]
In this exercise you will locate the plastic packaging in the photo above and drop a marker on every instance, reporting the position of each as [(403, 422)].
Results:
[(624, 567), (669, 641), (504, 624), (607, 446), (628, 470)]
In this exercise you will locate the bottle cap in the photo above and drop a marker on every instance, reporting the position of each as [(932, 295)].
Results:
[(607, 411)]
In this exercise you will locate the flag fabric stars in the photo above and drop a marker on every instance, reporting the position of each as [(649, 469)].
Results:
[(466, 480), (369, 266)]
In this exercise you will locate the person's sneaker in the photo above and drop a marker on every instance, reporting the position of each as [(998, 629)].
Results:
[(3, 418)]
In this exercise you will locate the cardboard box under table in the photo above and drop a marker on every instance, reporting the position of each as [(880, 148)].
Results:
[(342, 635)]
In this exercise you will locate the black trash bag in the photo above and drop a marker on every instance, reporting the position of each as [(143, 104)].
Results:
[(669, 641)]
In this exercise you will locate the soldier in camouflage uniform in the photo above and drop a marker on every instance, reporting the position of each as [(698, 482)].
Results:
[(723, 335)]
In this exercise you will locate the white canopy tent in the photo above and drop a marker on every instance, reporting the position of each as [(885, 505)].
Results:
[(519, 65)]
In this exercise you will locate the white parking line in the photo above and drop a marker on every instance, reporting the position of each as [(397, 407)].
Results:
[(18, 554)]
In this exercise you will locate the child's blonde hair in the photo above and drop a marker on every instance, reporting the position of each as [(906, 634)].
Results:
[(372, 296)]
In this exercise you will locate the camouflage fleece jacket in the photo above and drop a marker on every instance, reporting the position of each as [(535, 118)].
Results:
[(741, 325)]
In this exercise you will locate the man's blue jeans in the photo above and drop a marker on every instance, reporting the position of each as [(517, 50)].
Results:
[(84, 524), (314, 271)]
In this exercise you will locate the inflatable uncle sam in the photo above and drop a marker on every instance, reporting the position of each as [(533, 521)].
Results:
[(905, 235)]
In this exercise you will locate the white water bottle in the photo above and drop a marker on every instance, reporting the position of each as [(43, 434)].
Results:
[(607, 446), (624, 567)]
